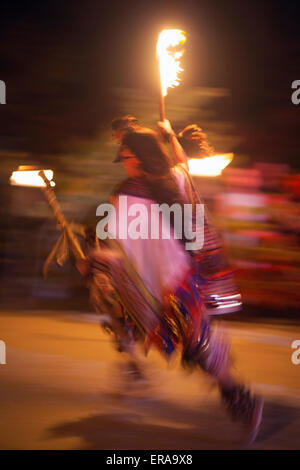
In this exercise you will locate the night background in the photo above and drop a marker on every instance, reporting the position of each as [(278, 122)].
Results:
[(70, 67), (61, 62)]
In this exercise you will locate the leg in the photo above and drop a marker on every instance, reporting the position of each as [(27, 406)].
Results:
[(214, 358)]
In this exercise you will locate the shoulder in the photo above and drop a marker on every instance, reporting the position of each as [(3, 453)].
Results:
[(119, 188), (184, 181), (132, 187), (181, 174), (180, 168)]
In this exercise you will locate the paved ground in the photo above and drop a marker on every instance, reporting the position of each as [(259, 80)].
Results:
[(63, 388)]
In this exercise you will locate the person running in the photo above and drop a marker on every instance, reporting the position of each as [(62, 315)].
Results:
[(154, 279)]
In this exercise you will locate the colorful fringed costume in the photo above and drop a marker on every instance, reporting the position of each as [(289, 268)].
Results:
[(160, 286)]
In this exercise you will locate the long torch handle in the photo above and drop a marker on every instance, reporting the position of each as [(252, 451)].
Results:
[(162, 106), (53, 203), (162, 113)]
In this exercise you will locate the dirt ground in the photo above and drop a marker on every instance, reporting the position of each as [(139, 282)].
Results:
[(65, 387)]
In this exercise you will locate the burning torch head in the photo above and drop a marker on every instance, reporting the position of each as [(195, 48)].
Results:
[(30, 176), (169, 57)]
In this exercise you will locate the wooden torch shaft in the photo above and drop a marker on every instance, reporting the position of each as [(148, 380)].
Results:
[(53, 203), (162, 106)]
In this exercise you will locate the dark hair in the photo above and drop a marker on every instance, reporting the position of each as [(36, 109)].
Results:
[(194, 142), (155, 165), (123, 122)]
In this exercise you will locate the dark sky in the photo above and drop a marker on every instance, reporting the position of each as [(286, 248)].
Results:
[(60, 59)]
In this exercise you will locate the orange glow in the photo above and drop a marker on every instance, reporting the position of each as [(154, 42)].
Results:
[(169, 64), (209, 166), (30, 177)]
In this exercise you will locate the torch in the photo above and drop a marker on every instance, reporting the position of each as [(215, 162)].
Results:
[(34, 177), (169, 62)]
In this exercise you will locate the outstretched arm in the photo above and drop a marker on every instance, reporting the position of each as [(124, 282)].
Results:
[(166, 129)]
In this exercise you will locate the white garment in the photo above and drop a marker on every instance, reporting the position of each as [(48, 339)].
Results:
[(161, 263)]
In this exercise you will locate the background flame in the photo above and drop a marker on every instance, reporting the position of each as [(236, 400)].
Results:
[(169, 65), (30, 178), (209, 166)]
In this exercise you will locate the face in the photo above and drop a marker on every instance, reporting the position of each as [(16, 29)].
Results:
[(129, 161)]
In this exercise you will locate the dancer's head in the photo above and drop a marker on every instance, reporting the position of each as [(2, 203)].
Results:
[(144, 156), (121, 125), (144, 146)]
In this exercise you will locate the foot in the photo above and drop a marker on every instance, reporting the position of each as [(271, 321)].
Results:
[(133, 371), (244, 407)]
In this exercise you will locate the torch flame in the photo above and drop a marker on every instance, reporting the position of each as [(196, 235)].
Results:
[(169, 65), (209, 166), (23, 177)]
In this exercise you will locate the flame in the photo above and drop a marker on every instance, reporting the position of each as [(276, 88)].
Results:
[(23, 177), (209, 166), (169, 65)]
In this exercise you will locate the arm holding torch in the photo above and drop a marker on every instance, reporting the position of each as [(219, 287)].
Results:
[(169, 56)]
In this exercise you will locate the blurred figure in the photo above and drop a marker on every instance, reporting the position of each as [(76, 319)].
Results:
[(215, 277), (154, 280)]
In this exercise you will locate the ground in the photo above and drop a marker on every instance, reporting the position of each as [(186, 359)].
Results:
[(64, 387)]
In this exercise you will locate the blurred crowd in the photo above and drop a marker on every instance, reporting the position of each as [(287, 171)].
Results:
[(257, 209)]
